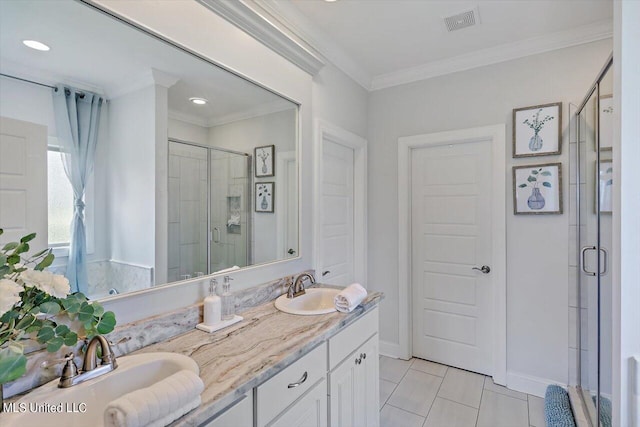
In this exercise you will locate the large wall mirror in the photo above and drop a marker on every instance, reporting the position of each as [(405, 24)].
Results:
[(187, 169)]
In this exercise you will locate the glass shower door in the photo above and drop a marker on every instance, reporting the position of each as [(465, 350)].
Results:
[(230, 210), (594, 237)]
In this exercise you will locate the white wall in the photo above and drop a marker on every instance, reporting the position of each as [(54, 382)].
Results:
[(626, 222), (339, 100), (188, 132), (537, 246), (132, 184)]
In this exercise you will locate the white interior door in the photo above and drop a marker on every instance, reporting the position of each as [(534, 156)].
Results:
[(451, 202), (336, 260), (23, 181)]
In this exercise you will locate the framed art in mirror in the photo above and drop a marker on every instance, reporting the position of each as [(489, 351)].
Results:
[(264, 161)]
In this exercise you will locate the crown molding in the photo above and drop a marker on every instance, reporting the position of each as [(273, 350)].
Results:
[(249, 17), (188, 118), (290, 18), (506, 52), (275, 23), (257, 111), (46, 77), (250, 113)]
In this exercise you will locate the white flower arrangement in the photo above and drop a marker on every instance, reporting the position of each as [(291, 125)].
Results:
[(32, 303)]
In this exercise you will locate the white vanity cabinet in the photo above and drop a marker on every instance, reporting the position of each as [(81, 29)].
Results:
[(240, 414), (286, 392), (354, 380), (309, 411), (334, 384)]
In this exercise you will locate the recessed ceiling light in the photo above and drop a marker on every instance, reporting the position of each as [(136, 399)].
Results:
[(198, 101), (330, 1), (34, 44)]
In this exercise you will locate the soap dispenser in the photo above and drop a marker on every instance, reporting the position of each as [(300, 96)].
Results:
[(212, 309), (228, 302)]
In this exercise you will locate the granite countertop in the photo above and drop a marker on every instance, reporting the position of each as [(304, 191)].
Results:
[(236, 359)]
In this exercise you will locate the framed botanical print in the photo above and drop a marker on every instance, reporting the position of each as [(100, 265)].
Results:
[(265, 196), (264, 161), (537, 130), (537, 189)]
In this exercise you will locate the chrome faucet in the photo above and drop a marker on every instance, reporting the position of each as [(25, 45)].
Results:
[(297, 288), (90, 369)]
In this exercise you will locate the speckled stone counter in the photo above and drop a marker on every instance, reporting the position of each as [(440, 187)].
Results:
[(236, 359)]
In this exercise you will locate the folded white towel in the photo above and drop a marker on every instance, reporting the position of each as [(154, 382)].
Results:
[(234, 220), (227, 270), (350, 297), (156, 405)]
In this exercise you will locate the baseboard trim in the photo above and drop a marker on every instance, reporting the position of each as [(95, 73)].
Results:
[(390, 349), (536, 386)]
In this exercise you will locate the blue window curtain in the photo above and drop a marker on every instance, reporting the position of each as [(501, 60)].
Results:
[(77, 115)]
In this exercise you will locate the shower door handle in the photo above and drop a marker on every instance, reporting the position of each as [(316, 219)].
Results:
[(605, 262), (583, 261), (216, 235)]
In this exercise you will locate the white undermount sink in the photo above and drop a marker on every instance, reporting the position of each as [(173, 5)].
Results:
[(314, 301), (84, 404)]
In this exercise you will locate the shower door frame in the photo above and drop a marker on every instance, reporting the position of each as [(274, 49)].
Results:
[(595, 89), (209, 195)]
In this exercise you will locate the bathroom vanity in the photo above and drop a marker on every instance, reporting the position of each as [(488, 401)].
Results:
[(277, 369)]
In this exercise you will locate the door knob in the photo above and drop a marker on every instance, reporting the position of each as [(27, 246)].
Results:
[(485, 269)]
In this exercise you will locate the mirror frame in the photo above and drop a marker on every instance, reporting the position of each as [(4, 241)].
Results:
[(128, 306)]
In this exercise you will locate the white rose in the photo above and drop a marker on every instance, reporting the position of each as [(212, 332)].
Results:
[(53, 284), (60, 287), (9, 294)]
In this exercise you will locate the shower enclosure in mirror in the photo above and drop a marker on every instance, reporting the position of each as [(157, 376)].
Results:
[(592, 206), (153, 211), (209, 216)]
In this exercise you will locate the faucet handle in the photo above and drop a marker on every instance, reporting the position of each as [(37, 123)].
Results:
[(49, 363), (120, 341)]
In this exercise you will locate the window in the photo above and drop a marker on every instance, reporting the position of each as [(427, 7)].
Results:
[(60, 204), (60, 200)]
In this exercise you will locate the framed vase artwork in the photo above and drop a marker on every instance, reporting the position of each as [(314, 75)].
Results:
[(606, 122), (265, 196), (537, 189), (537, 130), (605, 186), (264, 161)]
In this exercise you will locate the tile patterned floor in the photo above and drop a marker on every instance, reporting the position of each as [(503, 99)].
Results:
[(426, 394)]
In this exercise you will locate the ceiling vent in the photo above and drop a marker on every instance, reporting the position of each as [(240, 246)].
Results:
[(462, 20)]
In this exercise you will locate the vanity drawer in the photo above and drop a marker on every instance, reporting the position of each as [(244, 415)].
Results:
[(352, 337), (276, 394)]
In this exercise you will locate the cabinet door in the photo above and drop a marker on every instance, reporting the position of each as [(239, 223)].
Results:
[(309, 411), (238, 415), (345, 401), (368, 383), (354, 397)]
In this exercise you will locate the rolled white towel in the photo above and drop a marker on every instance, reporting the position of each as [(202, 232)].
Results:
[(156, 405), (350, 297)]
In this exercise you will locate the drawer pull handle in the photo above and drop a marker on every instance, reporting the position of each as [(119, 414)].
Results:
[(363, 355), (359, 361), (300, 381)]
